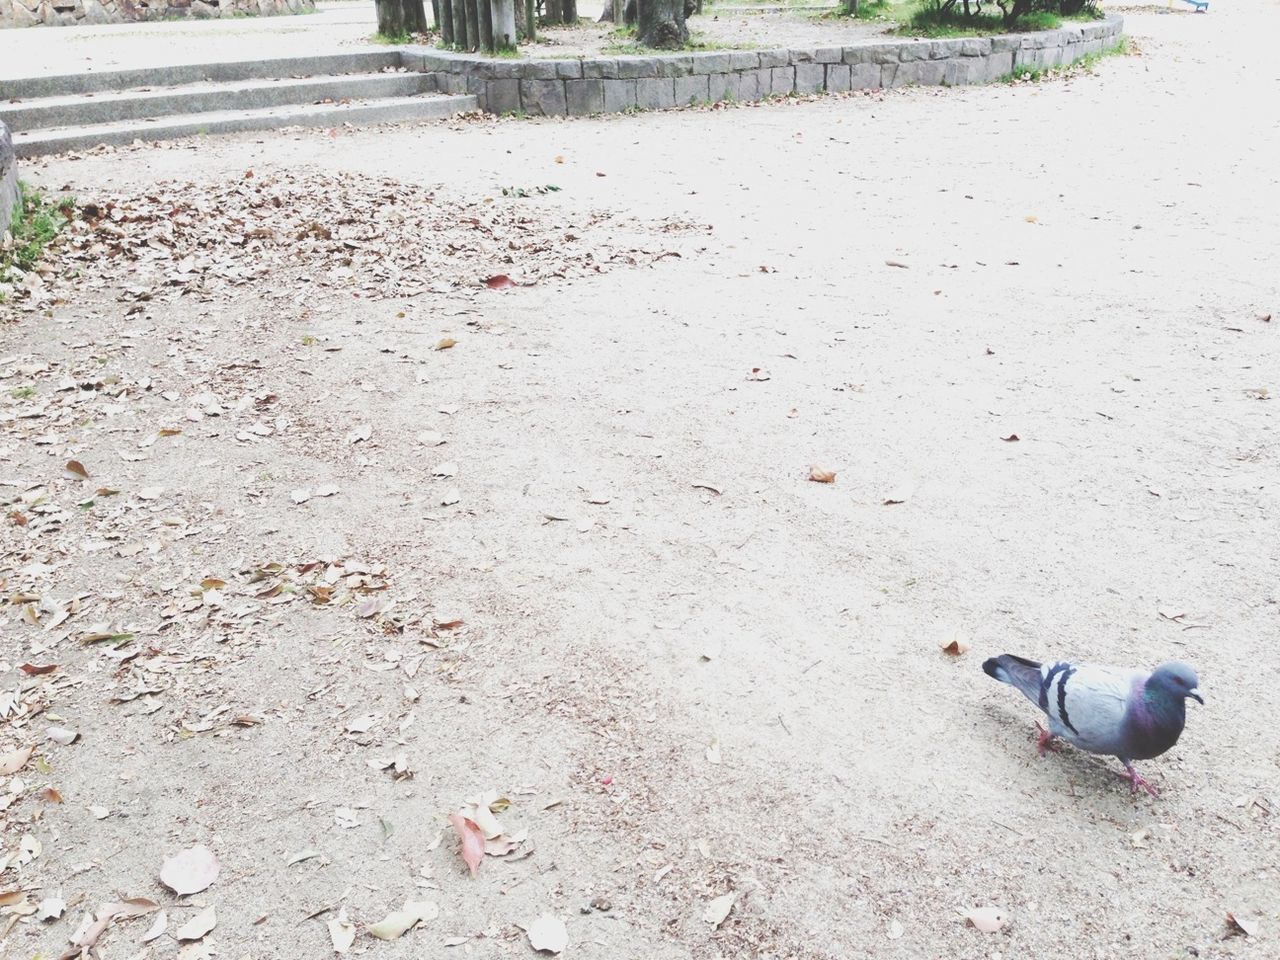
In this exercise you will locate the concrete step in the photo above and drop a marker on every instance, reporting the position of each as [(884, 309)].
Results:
[(360, 61), (93, 108), (34, 143)]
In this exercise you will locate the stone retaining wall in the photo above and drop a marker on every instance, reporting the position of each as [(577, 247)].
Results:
[(613, 84), (8, 178), (69, 13)]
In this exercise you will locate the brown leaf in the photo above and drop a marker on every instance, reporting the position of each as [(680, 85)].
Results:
[(448, 624), (499, 282), (758, 373), (446, 343), (1011, 438), (52, 794), (955, 643), (896, 263), (819, 475), (31, 670), (75, 470), (472, 840), (9, 897)]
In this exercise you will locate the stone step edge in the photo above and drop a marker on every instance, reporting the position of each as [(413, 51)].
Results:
[(421, 107)]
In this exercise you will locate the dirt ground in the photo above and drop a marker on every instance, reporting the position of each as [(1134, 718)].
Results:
[(683, 693)]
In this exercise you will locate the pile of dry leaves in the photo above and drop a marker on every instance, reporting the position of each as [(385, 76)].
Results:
[(289, 232)]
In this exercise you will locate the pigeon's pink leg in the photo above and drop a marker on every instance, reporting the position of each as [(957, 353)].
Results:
[(1137, 781), (1044, 740)]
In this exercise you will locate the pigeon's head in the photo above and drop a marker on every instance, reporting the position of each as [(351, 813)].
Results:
[(1176, 680)]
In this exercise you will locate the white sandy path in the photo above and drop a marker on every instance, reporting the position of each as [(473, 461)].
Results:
[(866, 777)]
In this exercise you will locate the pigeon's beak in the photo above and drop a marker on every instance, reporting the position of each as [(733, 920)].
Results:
[(1195, 695)]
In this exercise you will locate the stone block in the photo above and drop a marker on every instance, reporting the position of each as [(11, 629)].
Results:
[(8, 178), (694, 89), (872, 53), (655, 93), (619, 95), (722, 86), (799, 55), (486, 69), (932, 73), (747, 85), (583, 97), (889, 75), (569, 69), (811, 77), (632, 68), (675, 66), (914, 50), (710, 62), (774, 58), (837, 79), (744, 60), (452, 83), (1001, 44), (866, 76), (975, 46), (782, 81), (542, 98), (998, 65), (962, 71), (537, 69), (828, 54), (502, 96), (600, 69)]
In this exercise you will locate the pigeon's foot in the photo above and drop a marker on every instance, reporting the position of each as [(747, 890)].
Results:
[(1137, 781), (1044, 740)]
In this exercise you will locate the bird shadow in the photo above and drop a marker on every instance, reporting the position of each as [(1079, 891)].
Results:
[(1082, 768)]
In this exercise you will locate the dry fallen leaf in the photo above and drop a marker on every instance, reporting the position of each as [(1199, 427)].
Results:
[(190, 871), (548, 934), (1011, 438), (15, 760), (713, 751), (75, 470), (446, 343), (197, 926), (819, 475), (499, 282), (718, 909), (157, 928), (986, 919), (1237, 924), (472, 841), (758, 373), (342, 932), (956, 642), (409, 916)]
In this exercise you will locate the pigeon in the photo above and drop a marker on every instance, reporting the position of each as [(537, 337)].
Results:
[(1127, 714)]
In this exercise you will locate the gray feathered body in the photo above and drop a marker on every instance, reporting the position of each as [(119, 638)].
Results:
[(1100, 709)]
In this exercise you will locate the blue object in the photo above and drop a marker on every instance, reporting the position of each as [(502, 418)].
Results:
[(1200, 5)]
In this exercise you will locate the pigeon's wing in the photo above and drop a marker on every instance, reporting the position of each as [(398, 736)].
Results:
[(1086, 704)]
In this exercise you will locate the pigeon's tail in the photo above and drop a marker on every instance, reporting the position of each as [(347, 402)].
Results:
[(1017, 672)]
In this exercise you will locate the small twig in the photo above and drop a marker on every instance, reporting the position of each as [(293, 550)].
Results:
[(1011, 829), (871, 839), (810, 666), (784, 725)]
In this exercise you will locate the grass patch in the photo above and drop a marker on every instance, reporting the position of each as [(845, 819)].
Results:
[(696, 43), (37, 221), (1085, 64), (937, 22)]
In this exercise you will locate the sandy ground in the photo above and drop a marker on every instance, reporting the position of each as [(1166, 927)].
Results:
[(1087, 265)]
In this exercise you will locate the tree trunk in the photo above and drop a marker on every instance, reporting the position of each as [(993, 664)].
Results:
[(398, 17), (473, 24), (662, 24), (503, 17), (459, 23), (444, 22), (486, 25), (531, 20)]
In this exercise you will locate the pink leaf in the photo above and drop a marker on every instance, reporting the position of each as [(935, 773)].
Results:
[(472, 841), (499, 282)]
